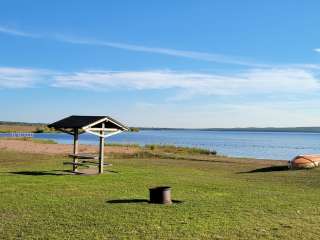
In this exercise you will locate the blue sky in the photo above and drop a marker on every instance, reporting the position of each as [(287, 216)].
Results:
[(162, 63)]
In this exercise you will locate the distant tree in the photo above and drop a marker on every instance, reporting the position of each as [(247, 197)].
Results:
[(134, 129)]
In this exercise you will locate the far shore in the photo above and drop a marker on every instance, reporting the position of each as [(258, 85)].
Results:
[(11, 127)]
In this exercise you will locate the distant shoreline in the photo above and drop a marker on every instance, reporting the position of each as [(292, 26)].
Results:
[(246, 129), (293, 129)]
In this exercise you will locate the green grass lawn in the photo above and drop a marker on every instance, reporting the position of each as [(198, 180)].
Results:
[(221, 199)]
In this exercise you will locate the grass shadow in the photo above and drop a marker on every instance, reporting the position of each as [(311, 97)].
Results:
[(42, 173), (269, 169), (136, 201), (111, 171)]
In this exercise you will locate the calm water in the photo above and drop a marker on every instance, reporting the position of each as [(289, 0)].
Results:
[(261, 145)]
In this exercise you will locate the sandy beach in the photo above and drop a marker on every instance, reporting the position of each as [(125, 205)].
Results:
[(64, 149)]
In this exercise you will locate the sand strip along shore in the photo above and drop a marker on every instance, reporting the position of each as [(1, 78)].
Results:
[(34, 147)]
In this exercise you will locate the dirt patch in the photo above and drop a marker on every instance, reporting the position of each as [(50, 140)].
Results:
[(33, 147)]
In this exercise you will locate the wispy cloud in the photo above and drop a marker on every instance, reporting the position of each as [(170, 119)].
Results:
[(22, 77), (196, 55), (210, 57), (15, 32), (188, 84)]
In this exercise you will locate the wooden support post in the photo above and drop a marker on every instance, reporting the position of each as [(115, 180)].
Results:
[(101, 149), (75, 148)]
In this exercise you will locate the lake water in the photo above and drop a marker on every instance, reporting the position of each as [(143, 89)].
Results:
[(260, 145)]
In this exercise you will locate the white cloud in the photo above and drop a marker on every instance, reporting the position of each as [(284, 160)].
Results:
[(317, 50), (275, 81), (253, 81), (21, 77)]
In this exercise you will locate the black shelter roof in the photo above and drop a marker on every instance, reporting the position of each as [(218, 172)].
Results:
[(79, 122)]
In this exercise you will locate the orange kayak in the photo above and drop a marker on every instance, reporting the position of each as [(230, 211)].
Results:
[(305, 161)]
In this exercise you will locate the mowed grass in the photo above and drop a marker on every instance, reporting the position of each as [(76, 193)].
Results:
[(220, 199)]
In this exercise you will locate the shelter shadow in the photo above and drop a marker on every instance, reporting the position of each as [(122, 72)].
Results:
[(128, 201), (136, 201), (41, 173)]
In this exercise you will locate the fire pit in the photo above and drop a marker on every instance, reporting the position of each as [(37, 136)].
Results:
[(160, 195)]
